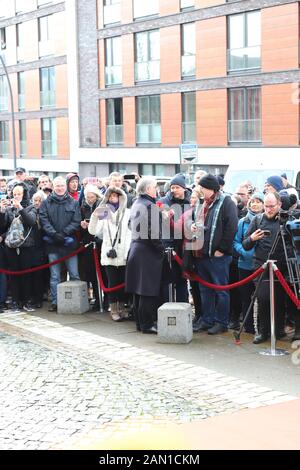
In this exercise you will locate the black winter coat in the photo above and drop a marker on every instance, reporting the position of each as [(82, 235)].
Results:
[(146, 255), (28, 217), (221, 238), (60, 214)]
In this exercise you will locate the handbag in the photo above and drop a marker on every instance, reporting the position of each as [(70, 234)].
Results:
[(15, 236)]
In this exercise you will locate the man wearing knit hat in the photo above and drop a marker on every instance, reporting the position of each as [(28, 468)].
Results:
[(218, 219), (177, 199), (273, 184)]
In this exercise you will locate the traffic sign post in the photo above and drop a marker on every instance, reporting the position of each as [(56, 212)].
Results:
[(188, 153)]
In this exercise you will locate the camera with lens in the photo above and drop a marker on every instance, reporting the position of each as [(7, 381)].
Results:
[(111, 253)]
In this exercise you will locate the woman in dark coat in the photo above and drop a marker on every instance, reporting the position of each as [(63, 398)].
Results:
[(19, 258), (146, 256)]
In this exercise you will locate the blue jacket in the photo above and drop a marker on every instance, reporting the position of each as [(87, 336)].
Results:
[(245, 260)]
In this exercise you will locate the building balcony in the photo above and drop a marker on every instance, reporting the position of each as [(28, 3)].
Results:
[(23, 148), (148, 8), (188, 65), (112, 13), (245, 58), (21, 101), (189, 132), (4, 148), (3, 103), (113, 75), (244, 130), (47, 99), (114, 134), (46, 48), (49, 148), (148, 133), (147, 70)]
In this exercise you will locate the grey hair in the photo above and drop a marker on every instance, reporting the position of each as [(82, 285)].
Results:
[(39, 194), (143, 184)]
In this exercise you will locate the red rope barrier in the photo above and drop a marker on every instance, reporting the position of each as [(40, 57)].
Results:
[(287, 288), (100, 278), (44, 266), (194, 277)]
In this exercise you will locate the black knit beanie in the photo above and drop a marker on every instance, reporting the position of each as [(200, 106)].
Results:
[(209, 182)]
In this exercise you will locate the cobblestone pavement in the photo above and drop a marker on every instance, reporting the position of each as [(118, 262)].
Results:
[(58, 383)]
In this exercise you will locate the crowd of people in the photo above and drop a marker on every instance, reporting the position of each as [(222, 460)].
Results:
[(221, 237)]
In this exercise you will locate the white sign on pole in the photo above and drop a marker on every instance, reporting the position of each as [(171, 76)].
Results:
[(188, 153)]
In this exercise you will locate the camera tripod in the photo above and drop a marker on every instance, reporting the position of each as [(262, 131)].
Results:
[(293, 278)]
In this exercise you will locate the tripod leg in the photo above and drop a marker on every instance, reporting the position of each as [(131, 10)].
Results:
[(237, 334)]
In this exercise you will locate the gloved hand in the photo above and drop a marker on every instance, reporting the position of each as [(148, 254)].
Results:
[(59, 238)]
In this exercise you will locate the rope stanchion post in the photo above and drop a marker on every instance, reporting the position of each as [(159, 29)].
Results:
[(273, 351), (169, 252)]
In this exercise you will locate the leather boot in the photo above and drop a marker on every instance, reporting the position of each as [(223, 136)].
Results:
[(114, 311)]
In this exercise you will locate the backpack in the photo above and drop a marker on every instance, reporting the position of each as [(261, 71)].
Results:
[(15, 236)]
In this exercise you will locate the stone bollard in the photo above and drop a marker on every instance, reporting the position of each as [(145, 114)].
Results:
[(72, 297), (174, 323)]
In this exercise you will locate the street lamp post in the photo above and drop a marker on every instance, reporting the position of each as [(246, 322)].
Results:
[(12, 113)]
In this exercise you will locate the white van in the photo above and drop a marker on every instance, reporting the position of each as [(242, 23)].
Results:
[(257, 170)]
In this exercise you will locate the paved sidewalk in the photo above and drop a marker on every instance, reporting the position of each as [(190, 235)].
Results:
[(70, 388)]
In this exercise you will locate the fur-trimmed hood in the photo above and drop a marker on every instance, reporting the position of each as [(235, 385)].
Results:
[(122, 197)]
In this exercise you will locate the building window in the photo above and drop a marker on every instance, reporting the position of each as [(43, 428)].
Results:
[(46, 46), (21, 90), (3, 93), (147, 53), (113, 61), (4, 138), (187, 4), (148, 128), (49, 137), (189, 117), (114, 127), (111, 11), (47, 87), (22, 131), (145, 8), (244, 42), (41, 3), (20, 32), (3, 39), (244, 124), (119, 167), (188, 46), (151, 169)]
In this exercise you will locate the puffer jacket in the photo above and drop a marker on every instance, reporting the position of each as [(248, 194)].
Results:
[(107, 228)]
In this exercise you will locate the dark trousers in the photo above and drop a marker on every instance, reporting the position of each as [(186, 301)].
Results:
[(145, 309), (115, 275), (195, 291), (246, 292), (235, 298), (20, 285)]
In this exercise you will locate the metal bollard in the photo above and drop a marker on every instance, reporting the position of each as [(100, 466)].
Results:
[(169, 252), (273, 351)]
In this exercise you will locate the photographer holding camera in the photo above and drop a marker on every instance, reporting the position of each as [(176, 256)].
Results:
[(109, 222), (260, 236)]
